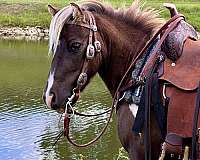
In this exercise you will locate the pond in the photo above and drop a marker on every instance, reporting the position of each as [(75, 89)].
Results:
[(28, 129)]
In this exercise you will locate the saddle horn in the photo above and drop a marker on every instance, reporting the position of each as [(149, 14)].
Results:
[(172, 8)]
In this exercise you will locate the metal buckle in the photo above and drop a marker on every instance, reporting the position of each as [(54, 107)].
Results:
[(90, 52), (140, 79), (161, 58), (97, 45)]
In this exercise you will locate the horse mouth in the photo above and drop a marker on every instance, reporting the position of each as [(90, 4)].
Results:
[(67, 104), (61, 110)]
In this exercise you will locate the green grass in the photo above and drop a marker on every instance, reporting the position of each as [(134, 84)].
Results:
[(34, 12)]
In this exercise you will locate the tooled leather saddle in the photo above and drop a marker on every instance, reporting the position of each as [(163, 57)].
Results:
[(180, 75)]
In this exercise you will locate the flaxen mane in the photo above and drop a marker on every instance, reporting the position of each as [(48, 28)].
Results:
[(146, 19)]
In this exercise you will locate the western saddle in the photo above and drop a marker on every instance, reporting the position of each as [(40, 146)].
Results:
[(180, 76)]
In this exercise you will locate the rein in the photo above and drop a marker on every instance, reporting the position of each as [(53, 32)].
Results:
[(82, 79)]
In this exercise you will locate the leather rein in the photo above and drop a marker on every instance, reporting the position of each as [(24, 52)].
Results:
[(93, 48)]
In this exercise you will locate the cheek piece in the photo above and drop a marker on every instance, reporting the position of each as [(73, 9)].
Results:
[(92, 48)]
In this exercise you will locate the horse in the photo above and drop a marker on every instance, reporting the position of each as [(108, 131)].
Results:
[(93, 38)]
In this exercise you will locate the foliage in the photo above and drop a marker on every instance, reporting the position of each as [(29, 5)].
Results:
[(34, 12), (122, 154)]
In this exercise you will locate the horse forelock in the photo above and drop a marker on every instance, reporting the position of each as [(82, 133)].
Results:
[(56, 26)]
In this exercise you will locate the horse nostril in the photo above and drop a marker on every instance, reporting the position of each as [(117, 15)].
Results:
[(49, 100), (53, 98)]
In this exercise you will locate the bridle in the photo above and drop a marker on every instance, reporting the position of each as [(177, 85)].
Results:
[(93, 48)]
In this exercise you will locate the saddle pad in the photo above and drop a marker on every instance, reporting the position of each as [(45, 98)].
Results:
[(181, 111), (185, 74)]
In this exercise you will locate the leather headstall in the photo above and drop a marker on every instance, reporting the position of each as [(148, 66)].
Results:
[(94, 46)]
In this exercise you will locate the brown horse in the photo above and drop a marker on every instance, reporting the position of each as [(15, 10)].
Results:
[(122, 34)]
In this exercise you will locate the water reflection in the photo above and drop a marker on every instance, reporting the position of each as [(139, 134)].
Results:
[(27, 128)]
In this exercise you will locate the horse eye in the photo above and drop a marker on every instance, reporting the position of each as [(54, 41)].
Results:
[(75, 46)]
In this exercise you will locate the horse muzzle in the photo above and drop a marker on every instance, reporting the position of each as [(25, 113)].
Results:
[(50, 101)]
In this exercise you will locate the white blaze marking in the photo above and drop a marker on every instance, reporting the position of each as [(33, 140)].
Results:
[(50, 84), (134, 109)]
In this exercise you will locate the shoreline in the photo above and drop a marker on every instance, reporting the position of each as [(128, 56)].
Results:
[(28, 33), (20, 33)]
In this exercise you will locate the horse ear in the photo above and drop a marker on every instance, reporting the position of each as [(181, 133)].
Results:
[(77, 13), (52, 10)]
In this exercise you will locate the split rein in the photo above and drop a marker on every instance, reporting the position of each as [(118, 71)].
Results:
[(82, 80)]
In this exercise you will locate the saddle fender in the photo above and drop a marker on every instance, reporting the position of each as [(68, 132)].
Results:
[(183, 77)]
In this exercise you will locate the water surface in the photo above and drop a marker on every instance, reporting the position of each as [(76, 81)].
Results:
[(28, 129)]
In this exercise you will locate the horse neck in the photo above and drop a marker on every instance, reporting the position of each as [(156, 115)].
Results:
[(123, 42)]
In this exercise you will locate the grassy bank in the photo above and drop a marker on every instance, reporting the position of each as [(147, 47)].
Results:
[(34, 12)]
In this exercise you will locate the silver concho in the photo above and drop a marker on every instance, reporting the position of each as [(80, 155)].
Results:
[(97, 45), (90, 51), (82, 79)]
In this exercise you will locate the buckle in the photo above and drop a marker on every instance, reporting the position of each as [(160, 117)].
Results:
[(90, 52), (161, 58), (97, 45)]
